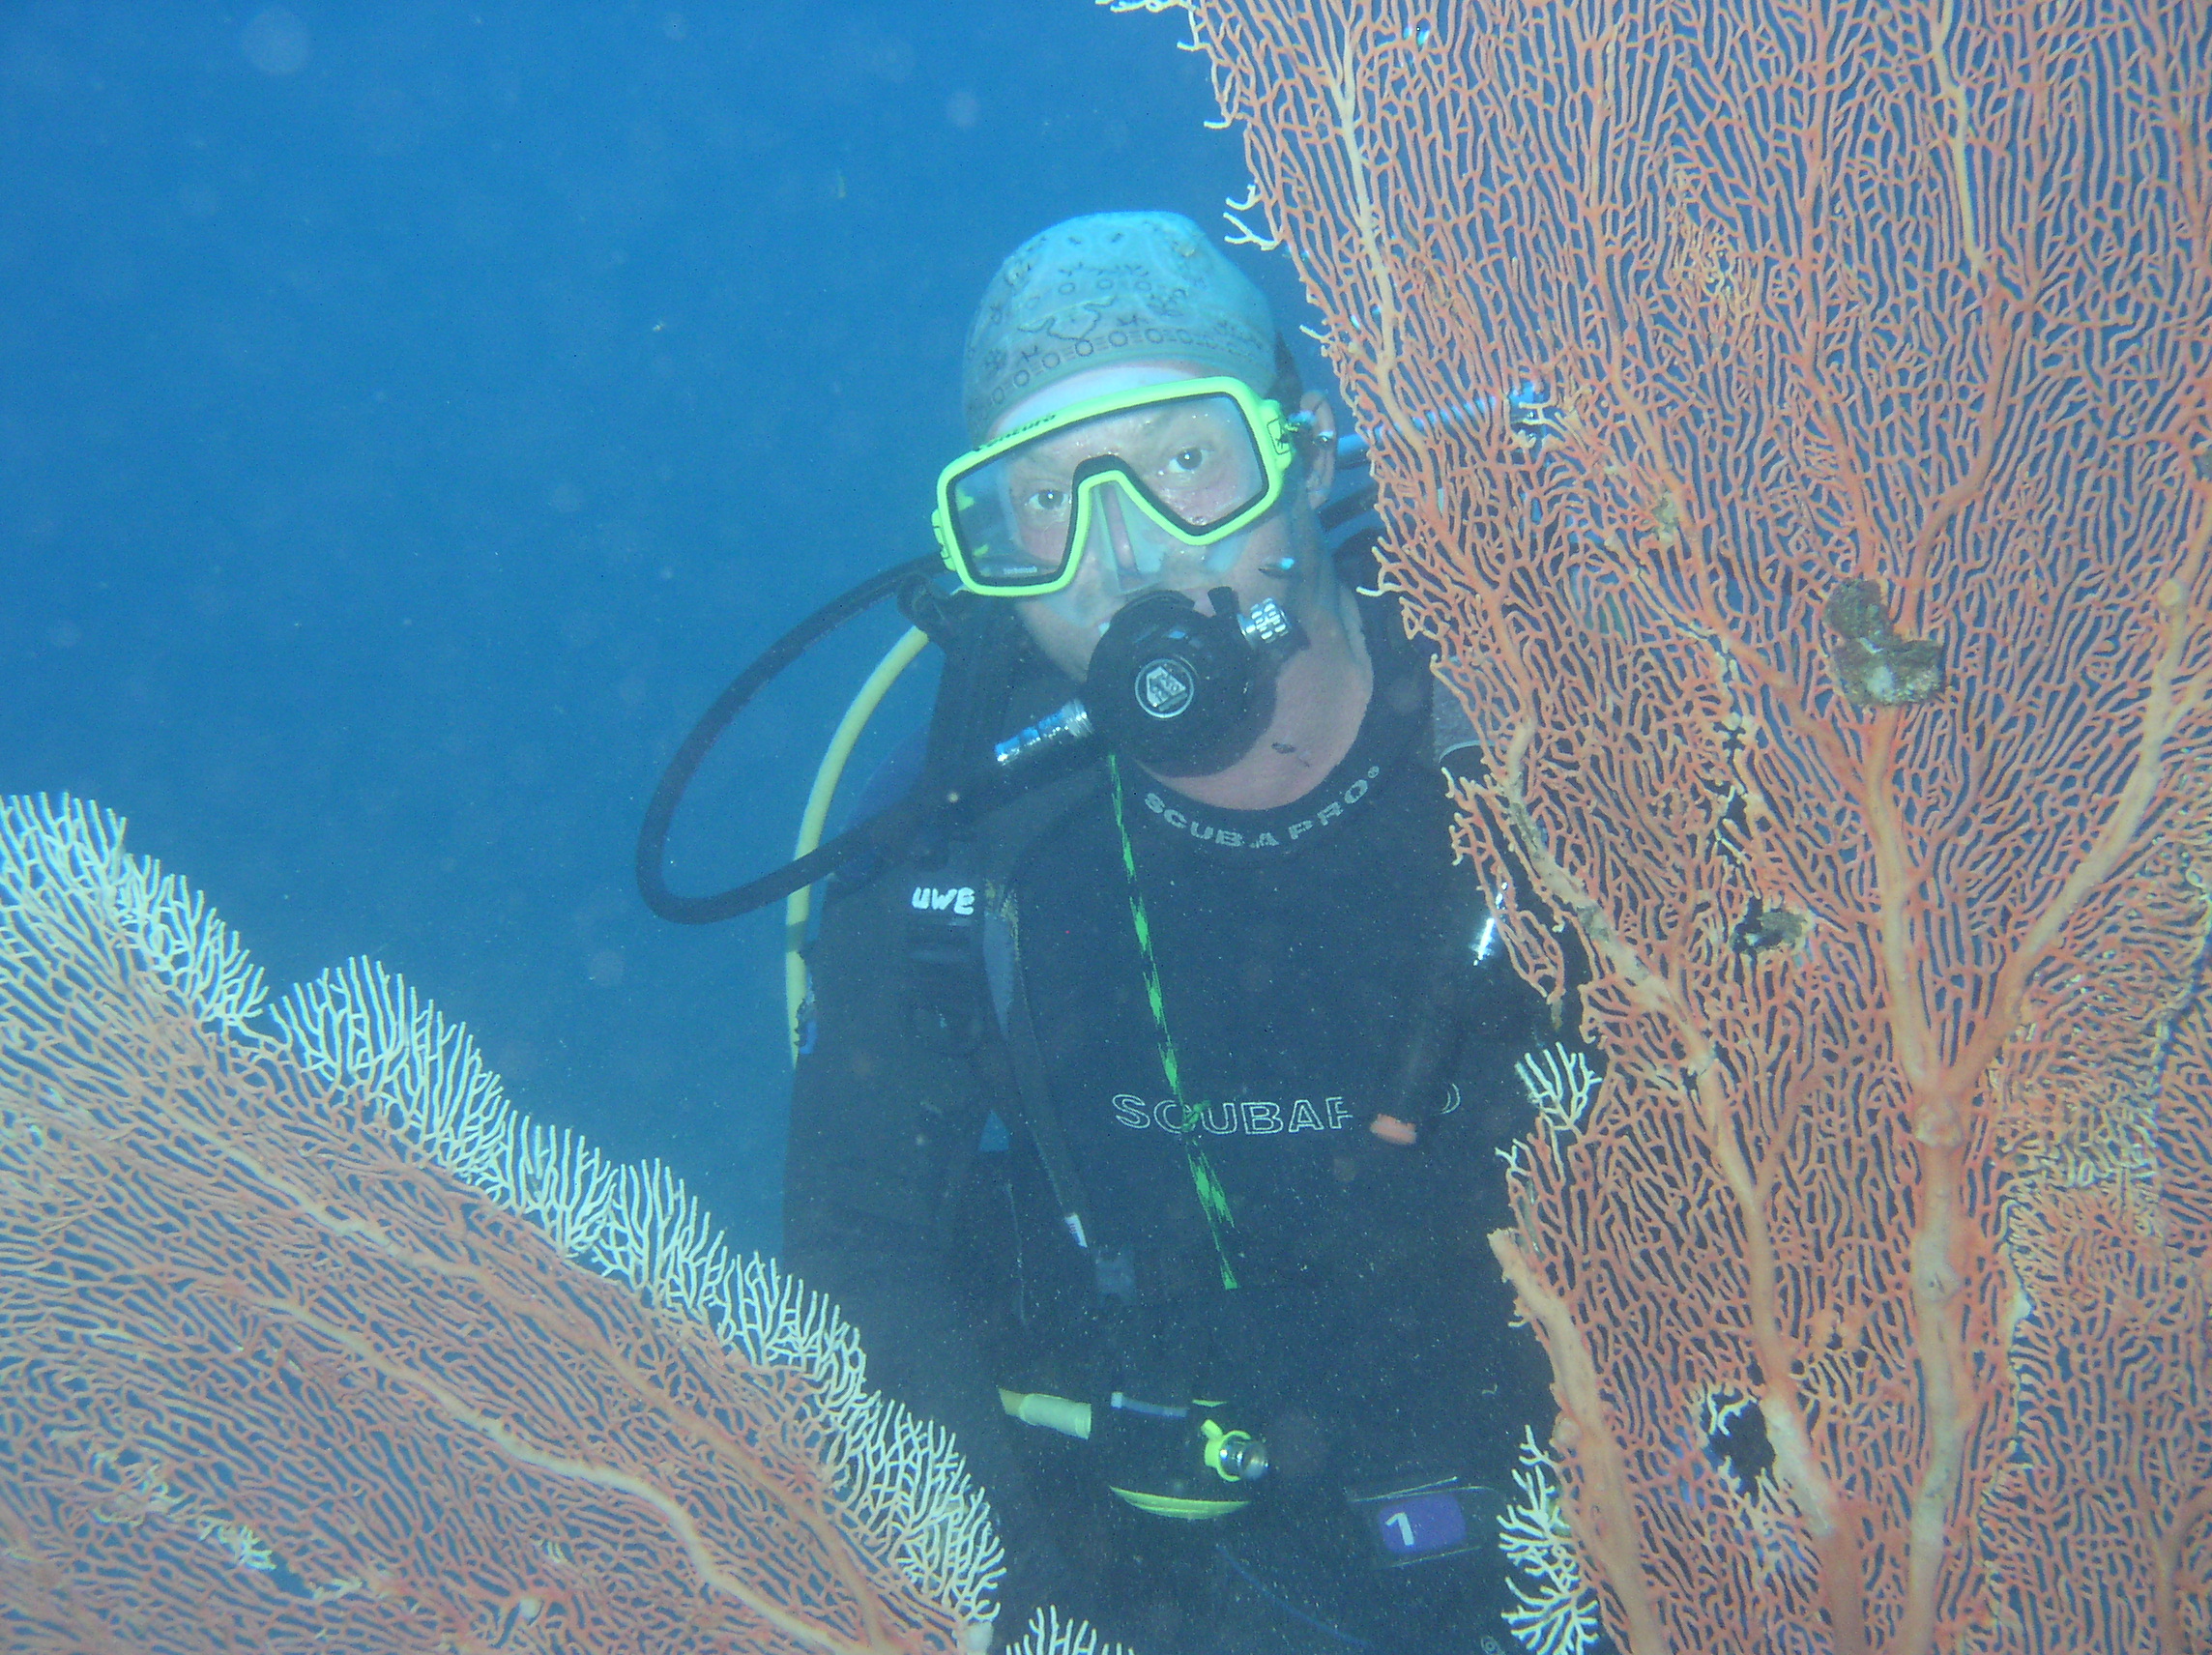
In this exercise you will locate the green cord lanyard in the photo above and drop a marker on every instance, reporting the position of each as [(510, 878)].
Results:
[(1212, 1198)]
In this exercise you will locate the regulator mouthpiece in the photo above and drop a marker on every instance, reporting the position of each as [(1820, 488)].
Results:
[(1184, 693), (1180, 692)]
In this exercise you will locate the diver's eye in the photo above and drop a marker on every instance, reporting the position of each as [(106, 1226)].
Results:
[(1187, 463), (1044, 502)]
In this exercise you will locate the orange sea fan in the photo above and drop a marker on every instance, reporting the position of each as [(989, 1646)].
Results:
[(1836, 625), (307, 1337)]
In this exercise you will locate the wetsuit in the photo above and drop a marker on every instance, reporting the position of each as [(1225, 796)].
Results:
[(1367, 1334)]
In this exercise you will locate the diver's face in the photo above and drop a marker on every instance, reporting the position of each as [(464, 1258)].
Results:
[(1127, 555)]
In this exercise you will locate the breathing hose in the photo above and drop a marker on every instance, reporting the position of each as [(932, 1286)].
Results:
[(888, 828)]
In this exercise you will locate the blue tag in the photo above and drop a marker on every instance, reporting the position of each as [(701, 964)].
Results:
[(1417, 1526)]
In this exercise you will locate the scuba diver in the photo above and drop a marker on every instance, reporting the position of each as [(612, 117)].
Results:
[(1148, 1120)]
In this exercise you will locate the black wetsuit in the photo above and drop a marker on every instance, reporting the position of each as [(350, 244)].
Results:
[(1367, 1336)]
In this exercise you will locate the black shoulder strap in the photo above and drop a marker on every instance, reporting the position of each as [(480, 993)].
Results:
[(984, 648), (963, 881), (1019, 1059), (1019, 1066)]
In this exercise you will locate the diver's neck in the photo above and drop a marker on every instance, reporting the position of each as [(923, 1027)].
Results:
[(1320, 701)]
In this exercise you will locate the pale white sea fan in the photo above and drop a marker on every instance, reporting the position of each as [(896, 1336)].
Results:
[(1556, 1612), (902, 1483), (63, 859)]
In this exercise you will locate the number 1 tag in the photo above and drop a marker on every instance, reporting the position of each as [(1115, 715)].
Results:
[(1421, 1527), (1415, 1520)]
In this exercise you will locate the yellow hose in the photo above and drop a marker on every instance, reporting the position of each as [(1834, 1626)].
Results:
[(799, 904)]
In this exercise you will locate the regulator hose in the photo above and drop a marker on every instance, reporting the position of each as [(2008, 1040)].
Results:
[(889, 827)]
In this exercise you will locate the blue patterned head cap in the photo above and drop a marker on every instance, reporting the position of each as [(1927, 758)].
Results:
[(1112, 287)]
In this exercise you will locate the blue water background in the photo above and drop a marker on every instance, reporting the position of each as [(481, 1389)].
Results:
[(411, 414)]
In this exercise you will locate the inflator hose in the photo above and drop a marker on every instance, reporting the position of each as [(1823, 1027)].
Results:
[(799, 906), (890, 827)]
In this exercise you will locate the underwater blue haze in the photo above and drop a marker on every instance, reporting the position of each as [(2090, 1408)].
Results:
[(411, 414)]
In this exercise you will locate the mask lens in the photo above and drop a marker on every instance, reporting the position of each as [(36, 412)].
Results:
[(1194, 462)]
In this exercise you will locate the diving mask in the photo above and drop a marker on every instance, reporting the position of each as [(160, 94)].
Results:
[(1147, 477)]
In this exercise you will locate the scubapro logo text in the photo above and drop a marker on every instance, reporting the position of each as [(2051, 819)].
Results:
[(1252, 1117)]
